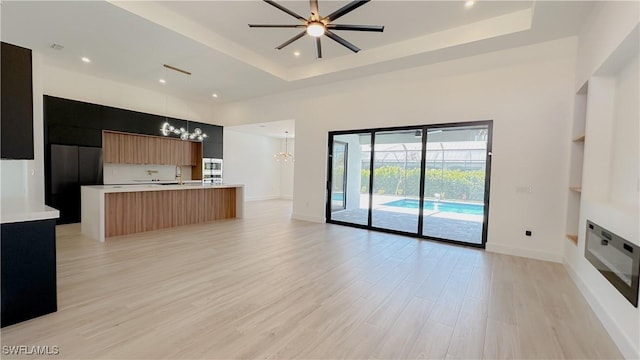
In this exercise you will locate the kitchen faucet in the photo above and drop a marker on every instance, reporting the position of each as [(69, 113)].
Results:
[(179, 174)]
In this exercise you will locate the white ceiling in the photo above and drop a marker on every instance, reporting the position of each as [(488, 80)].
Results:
[(274, 129), (129, 41), (411, 19)]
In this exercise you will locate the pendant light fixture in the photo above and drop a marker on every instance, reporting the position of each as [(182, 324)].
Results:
[(167, 129), (285, 155)]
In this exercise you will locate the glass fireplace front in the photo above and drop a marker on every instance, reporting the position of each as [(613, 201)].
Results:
[(617, 259)]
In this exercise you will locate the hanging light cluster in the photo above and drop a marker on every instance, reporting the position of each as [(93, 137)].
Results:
[(284, 155), (168, 129)]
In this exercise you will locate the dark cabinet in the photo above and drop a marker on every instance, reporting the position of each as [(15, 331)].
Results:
[(211, 149), (74, 142), (71, 167), (28, 264), (212, 146), (16, 111)]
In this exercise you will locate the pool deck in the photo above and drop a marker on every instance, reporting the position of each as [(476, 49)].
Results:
[(445, 225)]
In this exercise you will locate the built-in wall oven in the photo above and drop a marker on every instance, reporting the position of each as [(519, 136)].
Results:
[(211, 171), (616, 258)]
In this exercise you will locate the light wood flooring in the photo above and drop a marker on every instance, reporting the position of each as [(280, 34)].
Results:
[(273, 288)]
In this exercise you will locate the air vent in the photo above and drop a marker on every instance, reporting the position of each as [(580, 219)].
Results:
[(56, 46)]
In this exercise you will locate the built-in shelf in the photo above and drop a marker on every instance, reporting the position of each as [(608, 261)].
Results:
[(576, 162)]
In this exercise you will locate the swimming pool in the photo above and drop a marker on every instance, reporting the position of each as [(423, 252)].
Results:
[(460, 208)]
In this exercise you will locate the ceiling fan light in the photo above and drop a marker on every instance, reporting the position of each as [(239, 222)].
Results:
[(315, 29)]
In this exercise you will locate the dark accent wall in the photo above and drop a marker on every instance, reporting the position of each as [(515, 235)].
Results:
[(16, 104), (78, 126)]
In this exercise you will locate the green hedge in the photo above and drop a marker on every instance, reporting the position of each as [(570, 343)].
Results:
[(454, 184)]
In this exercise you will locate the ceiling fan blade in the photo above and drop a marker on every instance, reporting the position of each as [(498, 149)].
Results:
[(313, 4), (345, 9), (318, 49), (282, 8), (342, 41), (291, 40), (356, 27), (276, 26)]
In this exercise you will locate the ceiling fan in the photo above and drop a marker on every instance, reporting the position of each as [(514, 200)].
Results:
[(317, 25)]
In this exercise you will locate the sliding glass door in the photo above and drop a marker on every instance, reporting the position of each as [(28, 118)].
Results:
[(339, 176), (429, 181), (349, 161), (454, 191), (396, 180)]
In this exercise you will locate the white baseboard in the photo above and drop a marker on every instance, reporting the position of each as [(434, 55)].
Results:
[(625, 345), (315, 219), (532, 254), (286, 197)]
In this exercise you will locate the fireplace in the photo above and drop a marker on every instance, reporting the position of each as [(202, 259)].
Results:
[(617, 259)]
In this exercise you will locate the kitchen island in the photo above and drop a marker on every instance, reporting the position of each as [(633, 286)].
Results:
[(115, 210)]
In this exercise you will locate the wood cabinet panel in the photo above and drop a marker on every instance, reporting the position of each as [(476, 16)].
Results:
[(110, 147), (196, 160), (186, 153), (124, 148), (127, 149), (165, 151), (133, 212), (175, 154), (196, 154), (141, 152), (153, 150)]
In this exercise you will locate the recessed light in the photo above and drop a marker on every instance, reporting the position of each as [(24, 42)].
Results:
[(215, 95), (296, 53), (469, 3), (162, 81), (85, 59)]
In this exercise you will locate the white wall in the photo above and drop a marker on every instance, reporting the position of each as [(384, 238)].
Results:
[(625, 170), (25, 178), (248, 160), (526, 91), (609, 22), (82, 87), (611, 155), (286, 171)]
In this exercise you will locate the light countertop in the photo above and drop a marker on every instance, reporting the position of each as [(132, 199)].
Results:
[(15, 210), (152, 182), (158, 187)]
